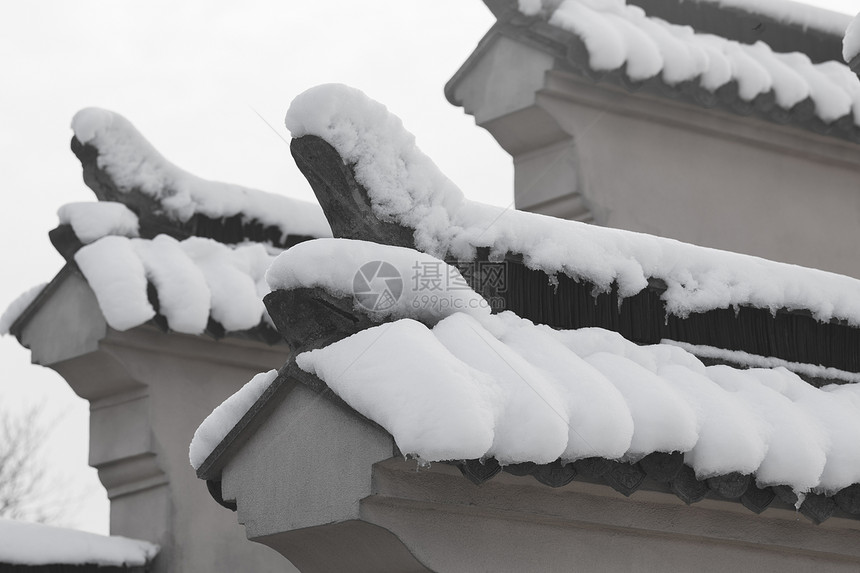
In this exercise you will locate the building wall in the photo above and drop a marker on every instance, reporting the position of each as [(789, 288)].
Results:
[(148, 392), (517, 524)]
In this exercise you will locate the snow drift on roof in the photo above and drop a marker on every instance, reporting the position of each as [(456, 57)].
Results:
[(415, 284), (19, 305), (500, 386), (92, 220), (35, 544), (195, 279), (618, 36), (134, 163), (405, 186), (218, 424)]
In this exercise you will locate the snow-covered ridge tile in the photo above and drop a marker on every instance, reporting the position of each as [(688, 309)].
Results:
[(92, 220), (617, 35), (384, 281), (36, 544), (218, 424), (134, 163), (405, 186), (19, 305), (500, 386), (195, 279)]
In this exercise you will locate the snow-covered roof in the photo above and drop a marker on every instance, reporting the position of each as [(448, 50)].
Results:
[(35, 544), (218, 424), (469, 384), (451, 381), (406, 187), (194, 279), (501, 387), (456, 383), (806, 16), (91, 221), (722, 63), (617, 36), (134, 165), (147, 249)]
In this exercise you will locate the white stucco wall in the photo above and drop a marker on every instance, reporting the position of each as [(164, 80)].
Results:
[(149, 391)]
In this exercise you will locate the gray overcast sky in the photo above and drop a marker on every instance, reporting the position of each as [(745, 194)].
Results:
[(192, 76)]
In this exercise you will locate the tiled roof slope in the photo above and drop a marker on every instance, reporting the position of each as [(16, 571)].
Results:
[(620, 43), (190, 286)]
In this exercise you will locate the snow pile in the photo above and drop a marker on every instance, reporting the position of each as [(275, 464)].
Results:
[(416, 284), (195, 279), (93, 220), (218, 424), (19, 305), (405, 186), (789, 12), (34, 544), (851, 41), (498, 385), (133, 163), (620, 36)]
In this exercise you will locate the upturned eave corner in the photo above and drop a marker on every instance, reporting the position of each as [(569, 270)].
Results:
[(343, 199)]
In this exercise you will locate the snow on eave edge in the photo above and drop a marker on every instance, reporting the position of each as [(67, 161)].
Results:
[(210, 466), (18, 307), (48, 289), (44, 546), (832, 90)]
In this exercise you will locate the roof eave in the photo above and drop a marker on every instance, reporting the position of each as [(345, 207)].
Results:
[(315, 320), (571, 56), (27, 314)]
